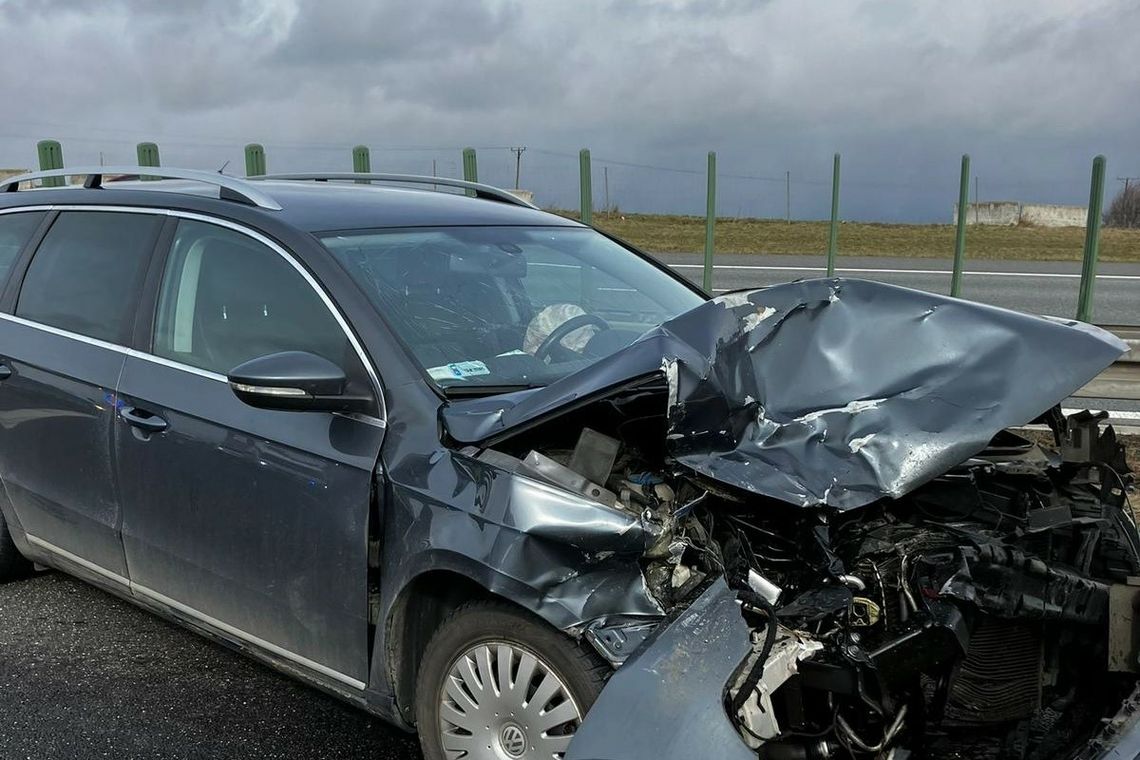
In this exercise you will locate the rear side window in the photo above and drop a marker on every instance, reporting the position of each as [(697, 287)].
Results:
[(15, 231), (86, 273), (226, 299)]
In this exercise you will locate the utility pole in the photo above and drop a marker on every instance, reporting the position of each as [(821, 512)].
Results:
[(606, 184), (976, 199), (1132, 213), (788, 195), (518, 162)]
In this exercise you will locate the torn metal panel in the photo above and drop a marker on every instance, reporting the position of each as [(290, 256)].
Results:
[(828, 392), (617, 640), (571, 560)]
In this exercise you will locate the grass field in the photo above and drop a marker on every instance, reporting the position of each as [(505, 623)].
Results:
[(667, 234)]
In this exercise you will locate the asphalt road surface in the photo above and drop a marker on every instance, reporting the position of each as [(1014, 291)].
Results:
[(86, 675), (1036, 287)]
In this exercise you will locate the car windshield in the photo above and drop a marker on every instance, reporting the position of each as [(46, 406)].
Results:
[(497, 308)]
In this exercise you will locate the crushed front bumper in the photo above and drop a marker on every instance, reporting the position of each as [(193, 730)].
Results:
[(667, 701)]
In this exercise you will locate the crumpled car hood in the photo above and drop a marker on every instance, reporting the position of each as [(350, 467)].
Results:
[(828, 392)]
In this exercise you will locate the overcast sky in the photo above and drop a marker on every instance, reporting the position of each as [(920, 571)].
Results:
[(1032, 89)]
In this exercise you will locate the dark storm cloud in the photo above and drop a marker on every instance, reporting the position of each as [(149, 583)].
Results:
[(1032, 89), (348, 32)]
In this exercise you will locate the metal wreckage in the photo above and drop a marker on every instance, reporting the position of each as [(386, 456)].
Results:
[(796, 522)]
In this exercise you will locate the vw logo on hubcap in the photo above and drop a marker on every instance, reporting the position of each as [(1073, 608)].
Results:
[(513, 740)]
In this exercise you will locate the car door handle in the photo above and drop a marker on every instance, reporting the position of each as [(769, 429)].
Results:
[(143, 420)]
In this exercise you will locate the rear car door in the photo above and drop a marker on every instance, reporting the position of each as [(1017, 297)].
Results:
[(253, 521), (62, 351)]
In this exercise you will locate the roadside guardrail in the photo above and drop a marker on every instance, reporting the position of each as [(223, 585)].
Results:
[(1121, 381), (1118, 386)]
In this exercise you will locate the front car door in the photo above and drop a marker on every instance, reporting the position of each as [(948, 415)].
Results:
[(252, 521), (62, 351)]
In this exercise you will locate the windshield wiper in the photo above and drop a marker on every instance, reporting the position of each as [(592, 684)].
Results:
[(467, 391)]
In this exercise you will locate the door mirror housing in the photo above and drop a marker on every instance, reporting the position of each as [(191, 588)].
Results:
[(295, 381)]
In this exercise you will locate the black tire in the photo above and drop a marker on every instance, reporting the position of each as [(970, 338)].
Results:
[(13, 565), (579, 668)]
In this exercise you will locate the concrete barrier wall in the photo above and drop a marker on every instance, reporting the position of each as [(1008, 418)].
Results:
[(1048, 215), (993, 212), (1009, 213)]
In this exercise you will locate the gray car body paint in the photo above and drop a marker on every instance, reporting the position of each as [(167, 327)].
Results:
[(568, 559), (678, 678)]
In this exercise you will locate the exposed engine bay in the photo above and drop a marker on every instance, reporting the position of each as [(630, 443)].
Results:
[(972, 617), (838, 460)]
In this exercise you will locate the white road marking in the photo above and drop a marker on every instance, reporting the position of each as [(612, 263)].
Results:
[(1113, 414), (859, 270)]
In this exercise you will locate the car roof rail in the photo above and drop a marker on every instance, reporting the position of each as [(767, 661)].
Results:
[(487, 192), (229, 188)]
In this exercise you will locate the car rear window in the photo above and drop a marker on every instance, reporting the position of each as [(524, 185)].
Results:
[(86, 273)]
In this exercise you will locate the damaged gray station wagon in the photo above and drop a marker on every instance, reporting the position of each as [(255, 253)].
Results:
[(495, 476)]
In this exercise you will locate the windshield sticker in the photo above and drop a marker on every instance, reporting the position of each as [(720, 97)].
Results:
[(459, 370)]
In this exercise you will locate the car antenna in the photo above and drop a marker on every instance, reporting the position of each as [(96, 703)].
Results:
[(223, 167)]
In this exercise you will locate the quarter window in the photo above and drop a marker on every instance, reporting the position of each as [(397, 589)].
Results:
[(15, 231), (86, 273), (226, 298)]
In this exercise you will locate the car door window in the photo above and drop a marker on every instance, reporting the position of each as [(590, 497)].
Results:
[(226, 298), (15, 231), (87, 272)]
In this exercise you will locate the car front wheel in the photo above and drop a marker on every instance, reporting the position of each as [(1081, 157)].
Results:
[(497, 684)]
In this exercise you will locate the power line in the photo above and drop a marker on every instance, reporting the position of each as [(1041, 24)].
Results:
[(518, 162)]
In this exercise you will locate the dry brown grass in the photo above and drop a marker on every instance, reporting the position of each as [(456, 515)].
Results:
[(669, 234), (1132, 451)]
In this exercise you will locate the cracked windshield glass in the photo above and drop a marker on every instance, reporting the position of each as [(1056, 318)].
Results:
[(500, 308)]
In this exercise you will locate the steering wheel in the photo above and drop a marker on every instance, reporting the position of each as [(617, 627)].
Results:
[(558, 333)]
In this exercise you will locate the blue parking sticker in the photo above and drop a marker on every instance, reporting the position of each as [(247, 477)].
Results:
[(468, 369)]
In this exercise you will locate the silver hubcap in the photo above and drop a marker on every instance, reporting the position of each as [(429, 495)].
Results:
[(502, 702)]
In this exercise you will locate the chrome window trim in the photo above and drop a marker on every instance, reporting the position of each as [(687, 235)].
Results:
[(113, 347), (18, 209), (380, 421), (213, 622), (155, 359)]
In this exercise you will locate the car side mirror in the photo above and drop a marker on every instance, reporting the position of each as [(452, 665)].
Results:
[(295, 381)]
